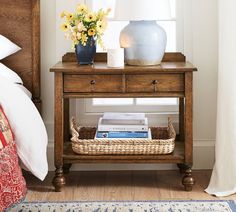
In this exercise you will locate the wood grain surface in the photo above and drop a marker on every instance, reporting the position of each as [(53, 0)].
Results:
[(121, 186), (20, 22), (102, 57), (170, 79)]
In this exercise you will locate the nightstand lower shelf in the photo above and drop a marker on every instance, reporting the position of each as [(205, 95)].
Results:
[(176, 157)]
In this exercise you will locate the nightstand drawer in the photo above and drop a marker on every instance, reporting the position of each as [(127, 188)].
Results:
[(93, 83), (155, 83)]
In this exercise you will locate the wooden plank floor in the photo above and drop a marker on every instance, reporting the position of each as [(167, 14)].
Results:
[(120, 185)]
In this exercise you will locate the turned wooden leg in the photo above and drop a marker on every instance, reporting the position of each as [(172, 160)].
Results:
[(182, 168), (59, 180), (181, 119), (188, 180), (59, 131), (66, 168)]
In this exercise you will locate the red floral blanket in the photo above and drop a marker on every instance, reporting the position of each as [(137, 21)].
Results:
[(12, 183)]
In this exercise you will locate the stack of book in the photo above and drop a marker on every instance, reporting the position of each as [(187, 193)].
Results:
[(123, 125)]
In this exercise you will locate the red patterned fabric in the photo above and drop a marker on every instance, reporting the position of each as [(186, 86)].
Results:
[(12, 183)]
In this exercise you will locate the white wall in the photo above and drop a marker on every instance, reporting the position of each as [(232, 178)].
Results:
[(48, 56), (200, 47), (205, 58)]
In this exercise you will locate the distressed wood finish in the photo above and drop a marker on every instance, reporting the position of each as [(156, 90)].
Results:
[(20, 22), (188, 180), (93, 83), (181, 119), (132, 83), (170, 79), (113, 95), (59, 179), (102, 57), (154, 83), (66, 119), (101, 68), (121, 186)]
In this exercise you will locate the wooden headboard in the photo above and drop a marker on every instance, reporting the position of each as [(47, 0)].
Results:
[(20, 22)]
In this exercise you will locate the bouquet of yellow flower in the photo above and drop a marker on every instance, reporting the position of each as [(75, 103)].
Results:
[(84, 24)]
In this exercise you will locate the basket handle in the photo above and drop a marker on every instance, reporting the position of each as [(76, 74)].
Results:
[(171, 128), (74, 130)]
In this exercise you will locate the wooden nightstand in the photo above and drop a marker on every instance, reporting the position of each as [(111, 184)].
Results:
[(173, 78)]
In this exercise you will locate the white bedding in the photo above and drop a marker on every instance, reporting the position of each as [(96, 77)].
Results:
[(28, 127), (25, 90)]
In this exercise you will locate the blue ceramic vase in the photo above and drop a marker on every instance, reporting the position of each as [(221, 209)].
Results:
[(85, 54)]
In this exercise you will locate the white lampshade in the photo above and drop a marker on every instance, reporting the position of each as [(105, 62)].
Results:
[(136, 10)]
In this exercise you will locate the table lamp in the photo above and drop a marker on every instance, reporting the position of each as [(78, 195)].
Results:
[(143, 39)]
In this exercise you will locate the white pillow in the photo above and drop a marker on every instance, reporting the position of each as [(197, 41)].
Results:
[(9, 74), (28, 128), (7, 47), (25, 90)]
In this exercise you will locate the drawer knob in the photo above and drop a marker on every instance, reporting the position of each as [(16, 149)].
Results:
[(93, 82), (155, 82)]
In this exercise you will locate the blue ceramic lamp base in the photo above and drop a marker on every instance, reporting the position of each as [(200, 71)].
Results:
[(144, 43)]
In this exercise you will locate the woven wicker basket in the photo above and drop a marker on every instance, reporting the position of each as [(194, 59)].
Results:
[(83, 142)]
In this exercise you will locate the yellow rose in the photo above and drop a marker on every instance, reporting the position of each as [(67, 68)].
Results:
[(84, 39), (84, 24), (90, 17), (78, 35), (101, 26), (63, 14), (64, 27), (69, 16), (91, 32), (81, 9)]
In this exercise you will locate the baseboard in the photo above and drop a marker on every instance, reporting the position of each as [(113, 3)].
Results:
[(203, 154), (203, 158)]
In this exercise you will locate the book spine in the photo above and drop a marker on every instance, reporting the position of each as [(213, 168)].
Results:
[(122, 135), (118, 121), (122, 128)]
